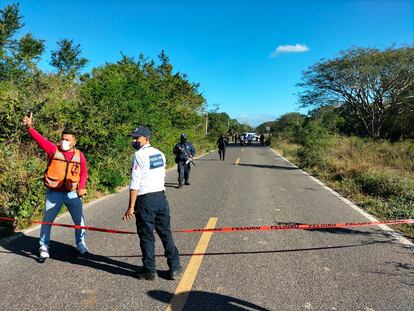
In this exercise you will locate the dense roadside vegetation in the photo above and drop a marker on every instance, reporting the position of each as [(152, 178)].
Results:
[(359, 139), (102, 106)]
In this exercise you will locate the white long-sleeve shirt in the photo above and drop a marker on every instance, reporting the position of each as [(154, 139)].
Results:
[(148, 170)]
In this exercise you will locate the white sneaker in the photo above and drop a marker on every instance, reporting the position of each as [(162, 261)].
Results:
[(82, 249), (44, 251)]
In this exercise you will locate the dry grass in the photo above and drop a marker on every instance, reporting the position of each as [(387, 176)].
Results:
[(376, 175), (351, 156)]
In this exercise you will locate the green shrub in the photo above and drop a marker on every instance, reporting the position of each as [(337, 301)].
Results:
[(383, 185), (111, 178), (394, 208), (315, 140)]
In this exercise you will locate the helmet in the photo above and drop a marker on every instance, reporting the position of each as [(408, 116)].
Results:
[(183, 138)]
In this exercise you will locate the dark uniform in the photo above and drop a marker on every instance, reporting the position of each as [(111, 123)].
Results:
[(151, 207), (262, 138), (183, 151), (221, 143)]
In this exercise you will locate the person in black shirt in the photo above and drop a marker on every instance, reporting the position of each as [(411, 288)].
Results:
[(184, 151), (221, 143)]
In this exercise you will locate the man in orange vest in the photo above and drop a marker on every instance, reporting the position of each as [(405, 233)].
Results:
[(65, 180)]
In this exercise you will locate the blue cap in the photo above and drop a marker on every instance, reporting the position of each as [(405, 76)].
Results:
[(183, 135), (141, 131)]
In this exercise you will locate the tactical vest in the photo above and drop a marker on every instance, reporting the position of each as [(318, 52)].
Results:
[(63, 174)]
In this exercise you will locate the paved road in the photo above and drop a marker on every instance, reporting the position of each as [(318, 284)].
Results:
[(348, 269)]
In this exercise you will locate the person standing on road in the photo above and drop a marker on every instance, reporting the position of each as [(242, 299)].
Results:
[(221, 143), (148, 202), (242, 140), (262, 139), (184, 151), (65, 180)]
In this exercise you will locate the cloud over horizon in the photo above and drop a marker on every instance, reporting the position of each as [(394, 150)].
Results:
[(283, 49)]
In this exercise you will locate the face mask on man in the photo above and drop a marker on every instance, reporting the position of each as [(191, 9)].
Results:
[(65, 145), (136, 145)]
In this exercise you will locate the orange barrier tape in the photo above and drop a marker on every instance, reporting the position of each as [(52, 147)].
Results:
[(234, 229), (70, 226), (303, 226)]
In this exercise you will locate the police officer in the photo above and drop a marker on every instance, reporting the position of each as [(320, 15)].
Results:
[(148, 201), (183, 151), (221, 143), (262, 139)]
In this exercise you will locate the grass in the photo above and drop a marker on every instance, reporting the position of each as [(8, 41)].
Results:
[(377, 175)]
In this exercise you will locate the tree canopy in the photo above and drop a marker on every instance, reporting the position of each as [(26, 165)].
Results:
[(370, 85)]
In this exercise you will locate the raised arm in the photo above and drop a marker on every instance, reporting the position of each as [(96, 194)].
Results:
[(46, 145)]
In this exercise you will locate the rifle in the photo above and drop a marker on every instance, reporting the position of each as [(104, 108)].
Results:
[(189, 159)]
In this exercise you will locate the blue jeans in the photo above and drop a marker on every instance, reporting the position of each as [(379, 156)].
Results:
[(152, 212), (54, 202)]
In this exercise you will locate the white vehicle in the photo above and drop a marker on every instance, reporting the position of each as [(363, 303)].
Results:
[(251, 136)]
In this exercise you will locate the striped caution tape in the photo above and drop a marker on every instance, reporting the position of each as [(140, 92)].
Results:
[(235, 229)]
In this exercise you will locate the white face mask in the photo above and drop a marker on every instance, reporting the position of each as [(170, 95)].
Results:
[(65, 145)]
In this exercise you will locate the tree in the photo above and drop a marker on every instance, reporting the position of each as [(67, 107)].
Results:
[(262, 128), (368, 83), (9, 24), (67, 58), (218, 123), (289, 121), (401, 126), (29, 49)]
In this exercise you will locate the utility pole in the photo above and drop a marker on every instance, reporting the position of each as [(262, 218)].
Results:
[(206, 122)]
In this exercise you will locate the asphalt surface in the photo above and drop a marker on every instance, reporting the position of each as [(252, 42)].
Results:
[(347, 269)]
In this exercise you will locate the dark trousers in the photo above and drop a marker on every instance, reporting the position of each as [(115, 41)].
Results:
[(222, 153), (183, 171), (152, 212)]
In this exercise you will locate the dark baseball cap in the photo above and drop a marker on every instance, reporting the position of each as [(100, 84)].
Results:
[(141, 131)]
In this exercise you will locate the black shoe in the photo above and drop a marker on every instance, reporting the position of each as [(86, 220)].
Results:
[(176, 273), (180, 184), (146, 276), (187, 182)]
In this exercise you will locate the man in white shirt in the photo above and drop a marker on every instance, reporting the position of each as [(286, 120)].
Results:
[(148, 202)]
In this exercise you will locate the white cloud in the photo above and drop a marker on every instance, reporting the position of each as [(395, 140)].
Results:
[(297, 48)]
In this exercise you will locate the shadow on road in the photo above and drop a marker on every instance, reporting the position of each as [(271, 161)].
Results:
[(260, 251), (199, 300), (28, 246), (276, 167), (343, 231), (171, 185)]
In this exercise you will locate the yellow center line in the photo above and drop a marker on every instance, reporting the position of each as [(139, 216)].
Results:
[(184, 287), (237, 161)]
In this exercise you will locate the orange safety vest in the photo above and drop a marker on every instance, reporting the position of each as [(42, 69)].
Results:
[(61, 173)]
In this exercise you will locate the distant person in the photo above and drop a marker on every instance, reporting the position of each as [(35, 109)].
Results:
[(184, 151), (221, 143), (235, 138), (242, 140), (147, 201), (262, 138), (65, 180)]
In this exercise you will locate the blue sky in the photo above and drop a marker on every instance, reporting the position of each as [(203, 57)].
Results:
[(229, 47)]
